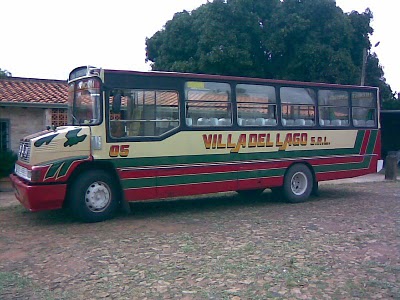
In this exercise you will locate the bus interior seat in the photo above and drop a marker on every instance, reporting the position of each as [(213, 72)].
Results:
[(290, 122), (323, 122), (270, 122), (203, 121), (345, 122), (213, 122), (250, 122), (240, 121), (299, 122), (370, 123), (224, 122), (309, 123), (359, 123), (189, 121), (260, 122), (336, 122)]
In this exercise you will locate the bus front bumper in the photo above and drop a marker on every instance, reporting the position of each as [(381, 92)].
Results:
[(39, 197)]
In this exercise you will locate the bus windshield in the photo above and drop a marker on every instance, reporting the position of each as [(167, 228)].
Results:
[(84, 102)]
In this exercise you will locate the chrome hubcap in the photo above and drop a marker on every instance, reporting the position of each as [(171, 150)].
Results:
[(98, 196), (299, 183)]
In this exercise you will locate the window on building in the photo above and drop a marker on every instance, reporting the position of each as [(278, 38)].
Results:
[(208, 104), (4, 135), (59, 117), (333, 108)]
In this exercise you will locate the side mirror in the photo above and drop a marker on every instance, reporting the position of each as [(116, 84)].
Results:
[(116, 105)]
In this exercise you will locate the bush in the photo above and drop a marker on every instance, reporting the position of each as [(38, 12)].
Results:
[(7, 161)]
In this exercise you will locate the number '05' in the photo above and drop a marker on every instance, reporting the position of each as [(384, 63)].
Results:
[(117, 150)]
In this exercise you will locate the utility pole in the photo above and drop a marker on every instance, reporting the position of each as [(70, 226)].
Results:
[(364, 65)]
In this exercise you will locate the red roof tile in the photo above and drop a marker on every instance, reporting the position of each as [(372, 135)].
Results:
[(29, 90)]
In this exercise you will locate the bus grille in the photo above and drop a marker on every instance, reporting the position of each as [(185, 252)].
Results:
[(24, 153)]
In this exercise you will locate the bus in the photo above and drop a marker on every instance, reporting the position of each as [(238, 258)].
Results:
[(137, 136)]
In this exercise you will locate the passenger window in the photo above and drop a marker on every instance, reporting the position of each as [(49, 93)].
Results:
[(363, 109), (298, 106), (256, 105), (208, 104), (144, 113), (333, 108)]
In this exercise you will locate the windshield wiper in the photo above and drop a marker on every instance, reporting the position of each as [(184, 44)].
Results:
[(75, 119)]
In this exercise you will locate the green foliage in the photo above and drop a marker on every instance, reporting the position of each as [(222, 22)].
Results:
[(375, 77), (307, 40), (4, 73), (391, 104), (8, 159)]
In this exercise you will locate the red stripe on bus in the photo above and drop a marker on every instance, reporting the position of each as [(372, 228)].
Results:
[(342, 174), (364, 146), (231, 167), (147, 193), (257, 183)]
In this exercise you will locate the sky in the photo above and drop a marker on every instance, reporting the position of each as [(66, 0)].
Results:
[(47, 39)]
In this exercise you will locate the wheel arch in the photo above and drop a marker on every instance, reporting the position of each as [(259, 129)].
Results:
[(308, 165), (93, 165)]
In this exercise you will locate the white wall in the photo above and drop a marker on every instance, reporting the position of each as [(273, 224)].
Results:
[(23, 121)]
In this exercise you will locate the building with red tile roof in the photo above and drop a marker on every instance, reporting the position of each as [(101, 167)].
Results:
[(28, 105)]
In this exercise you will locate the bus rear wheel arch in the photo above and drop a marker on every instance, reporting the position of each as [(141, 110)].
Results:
[(94, 196), (298, 183)]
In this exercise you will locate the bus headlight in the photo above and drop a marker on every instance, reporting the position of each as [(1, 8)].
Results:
[(25, 173)]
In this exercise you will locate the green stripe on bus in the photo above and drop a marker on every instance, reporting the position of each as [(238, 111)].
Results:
[(228, 157), (199, 178), (195, 178), (61, 166), (240, 175), (261, 173), (138, 183), (343, 167), (372, 141)]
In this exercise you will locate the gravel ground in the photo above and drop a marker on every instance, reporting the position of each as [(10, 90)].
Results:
[(344, 244)]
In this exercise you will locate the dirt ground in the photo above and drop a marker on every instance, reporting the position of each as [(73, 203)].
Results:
[(344, 244)]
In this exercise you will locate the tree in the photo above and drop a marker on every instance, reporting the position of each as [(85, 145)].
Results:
[(306, 40), (4, 73)]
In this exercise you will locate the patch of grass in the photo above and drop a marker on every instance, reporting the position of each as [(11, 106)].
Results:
[(13, 281), (13, 285)]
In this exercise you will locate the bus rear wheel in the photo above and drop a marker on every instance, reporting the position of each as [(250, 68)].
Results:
[(298, 183), (93, 196)]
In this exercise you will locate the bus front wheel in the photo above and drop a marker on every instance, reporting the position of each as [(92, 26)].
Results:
[(93, 196), (298, 183)]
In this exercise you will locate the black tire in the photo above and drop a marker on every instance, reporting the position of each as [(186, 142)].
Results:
[(250, 193), (93, 196), (315, 190), (298, 184)]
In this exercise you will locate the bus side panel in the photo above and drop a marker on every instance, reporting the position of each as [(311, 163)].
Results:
[(362, 164), (196, 189), (146, 178)]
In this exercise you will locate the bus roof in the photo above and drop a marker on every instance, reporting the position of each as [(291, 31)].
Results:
[(89, 70), (231, 78)]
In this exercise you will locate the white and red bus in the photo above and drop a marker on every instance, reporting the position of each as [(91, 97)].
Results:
[(136, 136)]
